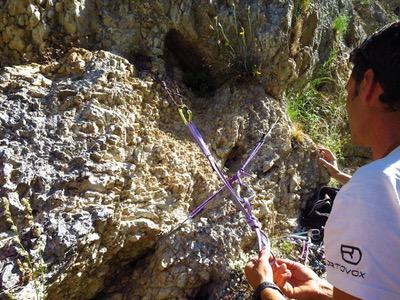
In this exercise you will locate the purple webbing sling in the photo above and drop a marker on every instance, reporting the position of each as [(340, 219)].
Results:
[(241, 203)]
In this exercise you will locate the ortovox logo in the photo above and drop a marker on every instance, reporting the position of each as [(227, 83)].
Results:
[(350, 254), (346, 270)]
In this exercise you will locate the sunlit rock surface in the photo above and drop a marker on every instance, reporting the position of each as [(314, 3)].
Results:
[(97, 169)]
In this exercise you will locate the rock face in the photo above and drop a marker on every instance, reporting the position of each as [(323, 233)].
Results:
[(96, 167), (282, 39), (98, 163)]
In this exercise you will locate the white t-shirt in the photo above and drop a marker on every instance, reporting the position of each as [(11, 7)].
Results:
[(362, 234)]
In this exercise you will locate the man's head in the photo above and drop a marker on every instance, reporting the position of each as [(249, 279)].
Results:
[(381, 53), (374, 85)]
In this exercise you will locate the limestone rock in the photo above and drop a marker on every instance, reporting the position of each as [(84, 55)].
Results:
[(280, 41), (107, 168), (97, 170)]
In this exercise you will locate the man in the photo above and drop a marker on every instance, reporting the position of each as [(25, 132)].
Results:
[(362, 234)]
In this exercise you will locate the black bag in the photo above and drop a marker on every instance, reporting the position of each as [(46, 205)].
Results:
[(317, 210)]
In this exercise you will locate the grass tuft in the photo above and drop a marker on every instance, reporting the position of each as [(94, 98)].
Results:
[(341, 25), (239, 47), (318, 109)]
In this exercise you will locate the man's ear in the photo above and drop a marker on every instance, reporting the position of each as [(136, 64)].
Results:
[(370, 88)]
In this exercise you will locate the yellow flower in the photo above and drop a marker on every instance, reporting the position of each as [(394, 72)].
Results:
[(242, 31)]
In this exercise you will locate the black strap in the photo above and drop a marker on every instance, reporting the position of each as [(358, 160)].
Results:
[(265, 285)]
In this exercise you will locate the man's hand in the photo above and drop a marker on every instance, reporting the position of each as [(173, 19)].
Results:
[(328, 160), (258, 270), (300, 282)]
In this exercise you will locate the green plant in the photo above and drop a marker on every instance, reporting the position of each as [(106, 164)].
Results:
[(30, 268), (10, 295), (300, 9), (318, 108), (363, 2), (284, 248), (305, 5), (239, 47), (287, 249), (340, 25)]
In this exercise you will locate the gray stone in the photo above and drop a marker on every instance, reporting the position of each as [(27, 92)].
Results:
[(108, 170)]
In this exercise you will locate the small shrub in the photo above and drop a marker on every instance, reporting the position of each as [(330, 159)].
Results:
[(340, 25), (31, 270), (239, 47), (297, 132), (305, 5), (284, 248), (301, 7), (318, 108)]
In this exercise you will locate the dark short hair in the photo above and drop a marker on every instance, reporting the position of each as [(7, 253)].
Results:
[(381, 53)]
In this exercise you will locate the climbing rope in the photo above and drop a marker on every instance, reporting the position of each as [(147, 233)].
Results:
[(311, 253), (242, 203)]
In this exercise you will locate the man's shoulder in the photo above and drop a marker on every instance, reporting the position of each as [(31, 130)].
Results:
[(384, 168), (374, 179)]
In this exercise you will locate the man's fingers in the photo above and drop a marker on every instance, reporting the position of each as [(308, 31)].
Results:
[(253, 258), (282, 274), (251, 263), (326, 150), (325, 162), (281, 279), (280, 269), (326, 154), (264, 254), (290, 264)]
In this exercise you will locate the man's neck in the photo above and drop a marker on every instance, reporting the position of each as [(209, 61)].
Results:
[(382, 152), (386, 136)]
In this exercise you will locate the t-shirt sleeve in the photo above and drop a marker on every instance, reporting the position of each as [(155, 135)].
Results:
[(362, 239)]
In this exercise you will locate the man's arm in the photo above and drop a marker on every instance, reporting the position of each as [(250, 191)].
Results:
[(328, 160), (340, 295), (270, 294)]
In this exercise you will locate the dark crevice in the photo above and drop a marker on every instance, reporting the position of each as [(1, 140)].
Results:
[(114, 282), (235, 158), (397, 11), (141, 62), (203, 292), (184, 63)]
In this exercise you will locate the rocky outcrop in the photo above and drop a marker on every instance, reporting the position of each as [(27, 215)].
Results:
[(97, 171), (98, 163), (281, 40)]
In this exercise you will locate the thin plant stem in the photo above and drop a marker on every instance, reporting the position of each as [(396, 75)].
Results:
[(227, 42), (249, 21), (235, 19)]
